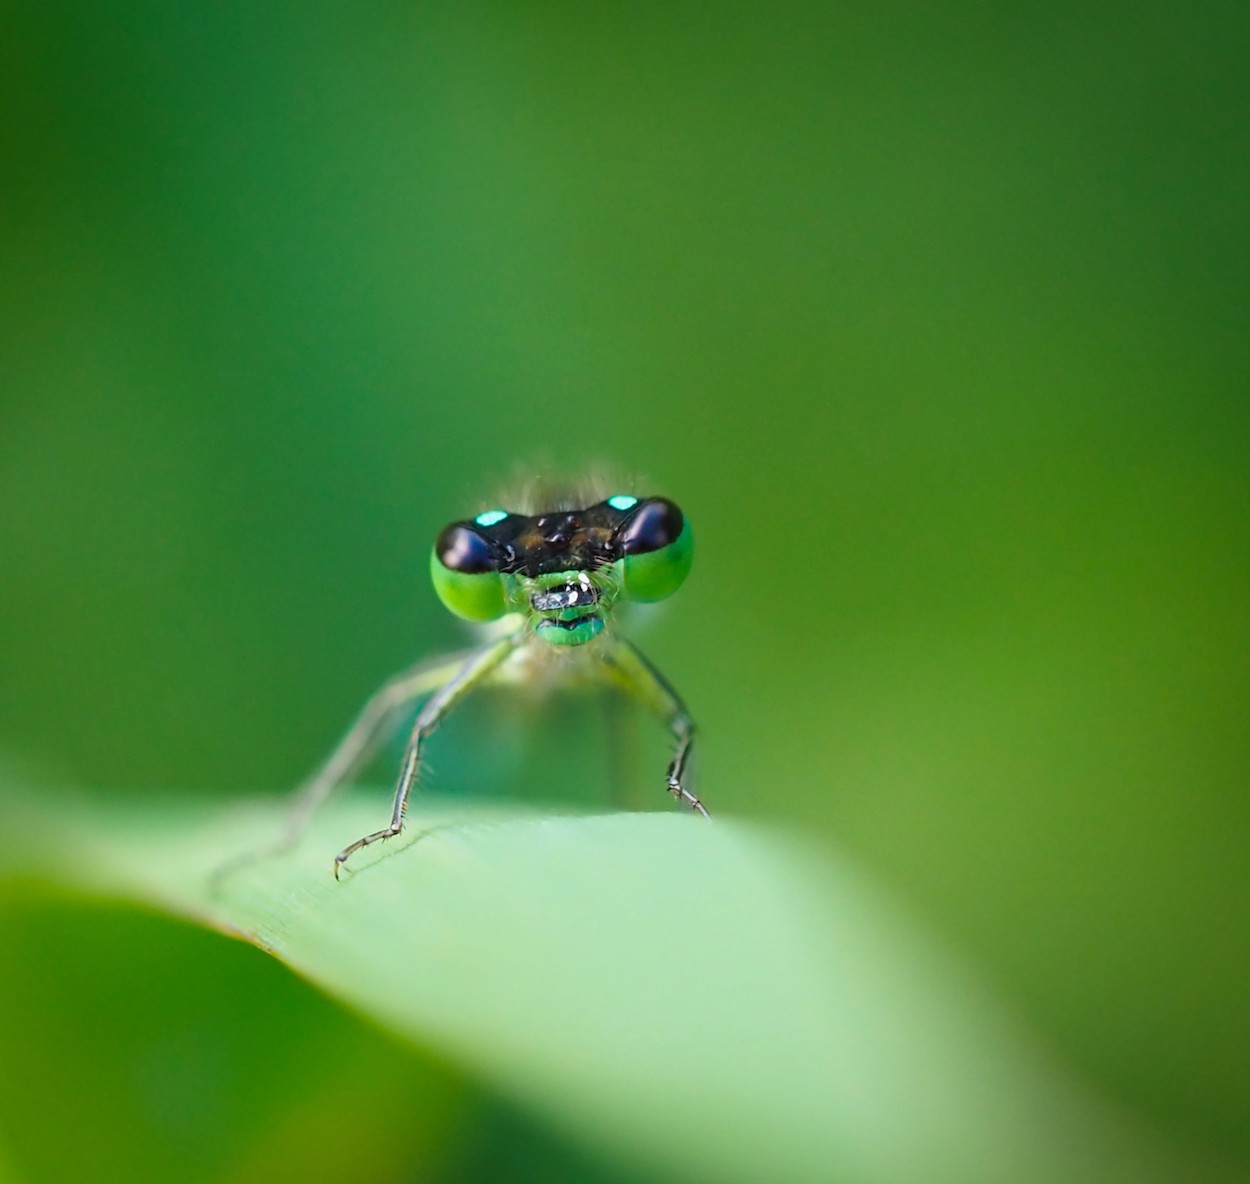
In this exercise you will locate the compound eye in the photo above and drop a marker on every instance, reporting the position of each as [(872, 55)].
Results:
[(460, 548), (464, 567), (658, 549)]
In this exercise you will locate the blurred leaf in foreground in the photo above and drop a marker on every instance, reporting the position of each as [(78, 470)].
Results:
[(703, 997)]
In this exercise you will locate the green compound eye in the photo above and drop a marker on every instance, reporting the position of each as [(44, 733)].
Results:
[(464, 568), (658, 549)]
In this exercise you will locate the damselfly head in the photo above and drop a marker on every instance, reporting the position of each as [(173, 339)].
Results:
[(565, 567)]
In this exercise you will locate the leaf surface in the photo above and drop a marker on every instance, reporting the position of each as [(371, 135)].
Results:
[(719, 1000)]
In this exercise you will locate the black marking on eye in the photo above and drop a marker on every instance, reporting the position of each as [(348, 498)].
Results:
[(465, 548), (655, 524)]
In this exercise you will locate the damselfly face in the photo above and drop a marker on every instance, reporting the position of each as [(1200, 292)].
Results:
[(563, 570)]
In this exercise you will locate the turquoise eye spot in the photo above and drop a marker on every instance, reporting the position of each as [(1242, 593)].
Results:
[(623, 501), (490, 517)]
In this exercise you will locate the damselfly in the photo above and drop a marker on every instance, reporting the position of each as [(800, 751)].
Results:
[(551, 580)]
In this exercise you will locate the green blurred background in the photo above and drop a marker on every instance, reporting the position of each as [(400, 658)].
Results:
[(934, 320)]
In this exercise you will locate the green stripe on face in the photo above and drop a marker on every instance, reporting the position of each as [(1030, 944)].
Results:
[(586, 629)]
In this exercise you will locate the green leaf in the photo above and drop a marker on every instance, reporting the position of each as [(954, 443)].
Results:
[(711, 998)]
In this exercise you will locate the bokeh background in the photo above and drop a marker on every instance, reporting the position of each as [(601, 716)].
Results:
[(933, 318)]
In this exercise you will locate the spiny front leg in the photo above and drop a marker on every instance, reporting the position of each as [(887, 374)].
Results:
[(407, 777), (646, 684), (480, 665), (367, 734), (684, 730), (342, 857), (682, 794)]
